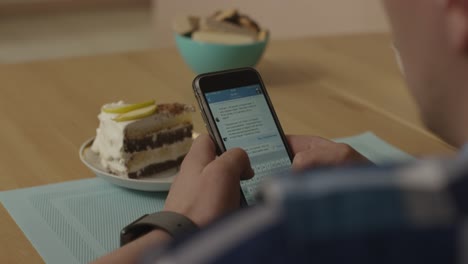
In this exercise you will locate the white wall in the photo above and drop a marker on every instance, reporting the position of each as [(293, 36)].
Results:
[(284, 18)]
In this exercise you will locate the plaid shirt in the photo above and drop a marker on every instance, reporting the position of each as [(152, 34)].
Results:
[(413, 213)]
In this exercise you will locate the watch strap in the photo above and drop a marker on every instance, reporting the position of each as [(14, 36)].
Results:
[(174, 224)]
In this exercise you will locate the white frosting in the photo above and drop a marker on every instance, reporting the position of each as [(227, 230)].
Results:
[(109, 140), (159, 155)]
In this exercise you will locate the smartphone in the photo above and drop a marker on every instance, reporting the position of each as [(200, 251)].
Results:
[(238, 113)]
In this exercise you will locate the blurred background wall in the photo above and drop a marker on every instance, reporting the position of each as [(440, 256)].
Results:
[(44, 29), (285, 19), (15, 7)]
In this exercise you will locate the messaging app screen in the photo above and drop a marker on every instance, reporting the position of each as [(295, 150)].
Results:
[(244, 120)]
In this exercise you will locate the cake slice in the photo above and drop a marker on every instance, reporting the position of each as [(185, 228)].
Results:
[(138, 140)]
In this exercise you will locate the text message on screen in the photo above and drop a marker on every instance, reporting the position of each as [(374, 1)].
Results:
[(244, 120)]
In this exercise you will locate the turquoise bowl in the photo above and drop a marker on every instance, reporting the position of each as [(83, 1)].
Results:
[(205, 57)]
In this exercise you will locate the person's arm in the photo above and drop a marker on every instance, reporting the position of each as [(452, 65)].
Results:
[(205, 188), (133, 251)]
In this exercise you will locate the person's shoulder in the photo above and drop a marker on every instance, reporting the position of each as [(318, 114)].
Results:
[(354, 202), (431, 175)]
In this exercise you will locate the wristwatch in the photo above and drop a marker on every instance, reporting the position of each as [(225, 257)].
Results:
[(174, 224)]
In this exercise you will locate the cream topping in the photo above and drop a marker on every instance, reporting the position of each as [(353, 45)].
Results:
[(140, 160), (109, 140), (110, 136)]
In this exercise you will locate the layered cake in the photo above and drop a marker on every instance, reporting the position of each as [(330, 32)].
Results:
[(138, 140)]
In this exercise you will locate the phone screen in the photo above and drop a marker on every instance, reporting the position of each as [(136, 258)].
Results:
[(243, 119)]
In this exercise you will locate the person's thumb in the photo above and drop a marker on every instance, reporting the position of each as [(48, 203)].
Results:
[(237, 161)]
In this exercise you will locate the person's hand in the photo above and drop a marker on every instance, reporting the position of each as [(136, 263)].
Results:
[(208, 186), (310, 152)]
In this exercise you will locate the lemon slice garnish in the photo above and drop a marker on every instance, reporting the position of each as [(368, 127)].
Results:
[(136, 114), (122, 109)]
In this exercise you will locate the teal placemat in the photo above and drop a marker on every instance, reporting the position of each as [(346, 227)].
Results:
[(78, 221), (375, 149)]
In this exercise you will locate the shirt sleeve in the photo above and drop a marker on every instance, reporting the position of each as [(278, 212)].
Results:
[(390, 214)]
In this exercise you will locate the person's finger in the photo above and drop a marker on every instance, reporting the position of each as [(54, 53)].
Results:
[(232, 163), (296, 143), (201, 153), (238, 161), (312, 158), (300, 143), (326, 155)]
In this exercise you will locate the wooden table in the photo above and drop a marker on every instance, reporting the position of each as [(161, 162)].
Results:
[(332, 87)]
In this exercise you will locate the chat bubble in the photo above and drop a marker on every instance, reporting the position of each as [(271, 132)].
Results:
[(258, 149), (243, 127), (237, 110)]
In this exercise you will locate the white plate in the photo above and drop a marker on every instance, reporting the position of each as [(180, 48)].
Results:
[(157, 182)]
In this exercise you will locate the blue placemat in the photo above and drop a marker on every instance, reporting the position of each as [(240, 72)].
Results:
[(375, 149), (78, 221)]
